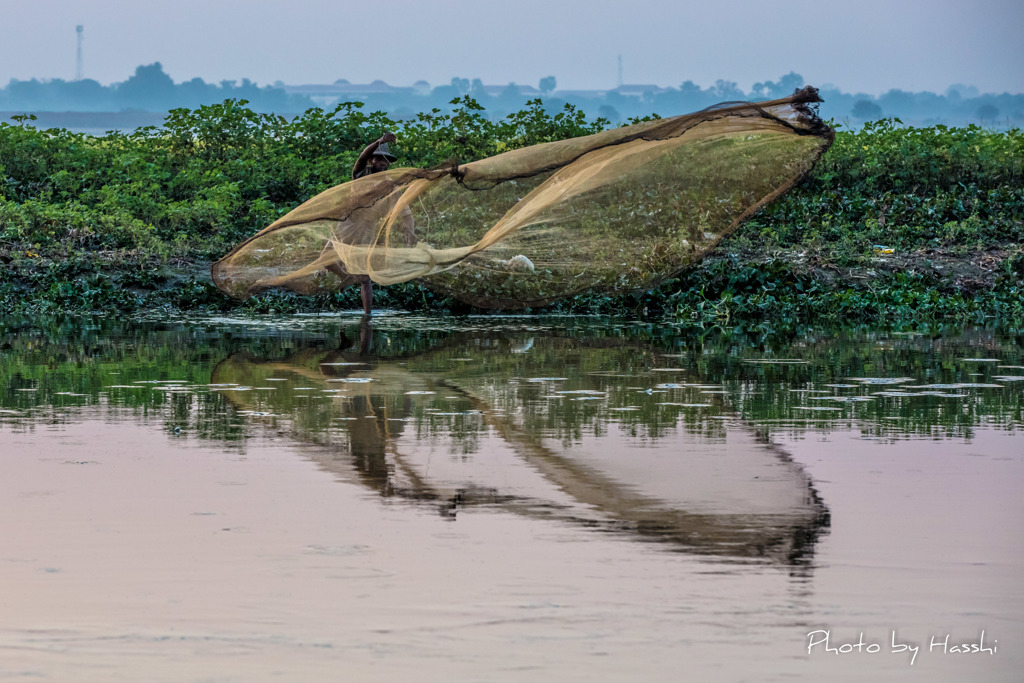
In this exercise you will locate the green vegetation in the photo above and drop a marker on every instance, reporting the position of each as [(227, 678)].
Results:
[(896, 224)]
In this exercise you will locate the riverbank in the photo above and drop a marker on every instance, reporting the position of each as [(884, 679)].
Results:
[(895, 223)]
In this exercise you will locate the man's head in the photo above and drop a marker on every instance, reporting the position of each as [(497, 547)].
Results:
[(381, 158)]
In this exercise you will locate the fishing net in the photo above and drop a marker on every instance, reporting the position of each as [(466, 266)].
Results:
[(616, 211)]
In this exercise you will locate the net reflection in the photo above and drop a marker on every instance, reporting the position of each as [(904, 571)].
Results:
[(542, 425)]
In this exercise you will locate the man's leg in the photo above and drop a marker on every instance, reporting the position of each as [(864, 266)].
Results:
[(365, 286), (366, 293)]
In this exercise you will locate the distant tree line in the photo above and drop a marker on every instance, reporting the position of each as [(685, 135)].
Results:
[(148, 89), (151, 89)]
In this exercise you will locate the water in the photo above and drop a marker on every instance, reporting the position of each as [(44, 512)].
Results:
[(507, 499)]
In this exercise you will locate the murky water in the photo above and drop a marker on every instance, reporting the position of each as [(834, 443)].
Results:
[(507, 499)]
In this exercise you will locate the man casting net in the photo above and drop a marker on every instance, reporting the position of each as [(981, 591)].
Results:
[(616, 211)]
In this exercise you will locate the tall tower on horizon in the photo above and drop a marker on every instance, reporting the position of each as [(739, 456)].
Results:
[(78, 57)]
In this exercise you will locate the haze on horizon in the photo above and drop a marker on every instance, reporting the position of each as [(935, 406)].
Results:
[(869, 47)]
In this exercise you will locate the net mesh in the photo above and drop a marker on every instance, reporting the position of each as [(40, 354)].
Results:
[(616, 211)]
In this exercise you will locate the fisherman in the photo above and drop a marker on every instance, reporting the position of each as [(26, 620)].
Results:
[(376, 157)]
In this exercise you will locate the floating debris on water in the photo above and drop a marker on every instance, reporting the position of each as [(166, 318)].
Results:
[(841, 399), (881, 380), (960, 385), (419, 393), (776, 361), (900, 394)]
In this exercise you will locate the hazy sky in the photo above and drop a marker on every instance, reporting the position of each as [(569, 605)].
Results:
[(867, 46)]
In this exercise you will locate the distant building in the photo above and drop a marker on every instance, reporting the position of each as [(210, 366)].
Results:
[(328, 95), (580, 94), (642, 92), (524, 90)]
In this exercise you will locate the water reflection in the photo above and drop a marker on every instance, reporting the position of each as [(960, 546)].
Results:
[(632, 429), (582, 430)]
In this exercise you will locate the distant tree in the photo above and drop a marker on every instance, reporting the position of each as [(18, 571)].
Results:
[(784, 88), (149, 88), (898, 102), (726, 91), (690, 95), (760, 89), (86, 95), (987, 111), (547, 84), (787, 84), (476, 90), (866, 110), (196, 92), (962, 91)]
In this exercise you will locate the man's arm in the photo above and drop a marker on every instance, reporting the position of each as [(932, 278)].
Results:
[(364, 156)]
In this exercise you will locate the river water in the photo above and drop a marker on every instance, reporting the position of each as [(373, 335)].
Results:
[(507, 499)]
